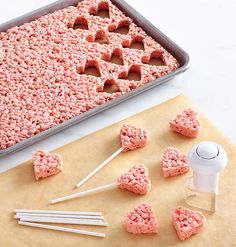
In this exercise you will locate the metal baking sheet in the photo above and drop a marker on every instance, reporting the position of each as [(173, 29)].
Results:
[(149, 28)]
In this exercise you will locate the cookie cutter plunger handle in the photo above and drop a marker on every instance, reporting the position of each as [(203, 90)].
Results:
[(207, 159)]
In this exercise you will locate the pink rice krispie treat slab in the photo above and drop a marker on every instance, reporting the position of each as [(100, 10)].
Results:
[(174, 163), (141, 220), (187, 222), (136, 180), (132, 138), (46, 164), (42, 65), (186, 123)]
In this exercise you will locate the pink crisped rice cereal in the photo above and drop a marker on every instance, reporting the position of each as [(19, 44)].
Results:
[(42, 67), (2, 52), (174, 163), (187, 222), (46, 164), (132, 138), (186, 123), (136, 180), (141, 220)]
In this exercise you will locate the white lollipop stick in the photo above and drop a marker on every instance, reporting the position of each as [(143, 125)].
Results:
[(63, 229), (93, 217), (65, 221), (84, 193), (56, 212), (105, 162)]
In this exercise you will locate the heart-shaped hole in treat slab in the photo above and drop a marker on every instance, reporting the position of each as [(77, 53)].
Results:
[(81, 23), (102, 39), (116, 57), (91, 68), (134, 74), (110, 86), (137, 43), (122, 30), (102, 10), (93, 71), (154, 59), (116, 60), (123, 27)]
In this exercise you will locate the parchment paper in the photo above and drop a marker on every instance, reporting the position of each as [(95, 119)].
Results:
[(19, 189)]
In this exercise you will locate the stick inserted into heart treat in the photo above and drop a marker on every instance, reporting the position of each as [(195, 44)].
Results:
[(131, 138), (135, 180)]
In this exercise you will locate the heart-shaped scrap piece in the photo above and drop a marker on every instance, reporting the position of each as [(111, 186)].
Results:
[(174, 163), (46, 164), (186, 123), (187, 222), (132, 138), (136, 180), (141, 220)]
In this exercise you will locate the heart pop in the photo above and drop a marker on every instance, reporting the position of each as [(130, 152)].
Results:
[(174, 163), (135, 180), (187, 222), (141, 219), (186, 123), (131, 138), (46, 164)]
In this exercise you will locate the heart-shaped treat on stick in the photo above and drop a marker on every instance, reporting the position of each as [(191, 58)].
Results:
[(174, 163), (46, 164), (132, 138), (187, 222), (136, 180), (186, 123), (141, 220)]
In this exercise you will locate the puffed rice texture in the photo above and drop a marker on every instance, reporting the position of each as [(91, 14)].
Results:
[(141, 219), (42, 64), (46, 164)]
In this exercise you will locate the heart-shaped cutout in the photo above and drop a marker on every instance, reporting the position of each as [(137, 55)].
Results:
[(46, 164), (136, 180), (174, 163), (187, 222), (133, 138), (141, 220), (110, 86), (116, 59), (134, 74), (123, 27), (102, 10), (186, 123), (81, 23)]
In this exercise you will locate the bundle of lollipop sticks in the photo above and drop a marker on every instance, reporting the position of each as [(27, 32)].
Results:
[(35, 218)]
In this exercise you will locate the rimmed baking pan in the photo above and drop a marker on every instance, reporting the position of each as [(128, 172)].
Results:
[(149, 28)]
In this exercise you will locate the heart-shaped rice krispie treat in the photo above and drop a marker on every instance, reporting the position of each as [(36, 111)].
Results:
[(132, 138), (174, 163), (187, 123), (136, 180), (187, 222), (46, 164), (141, 220)]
